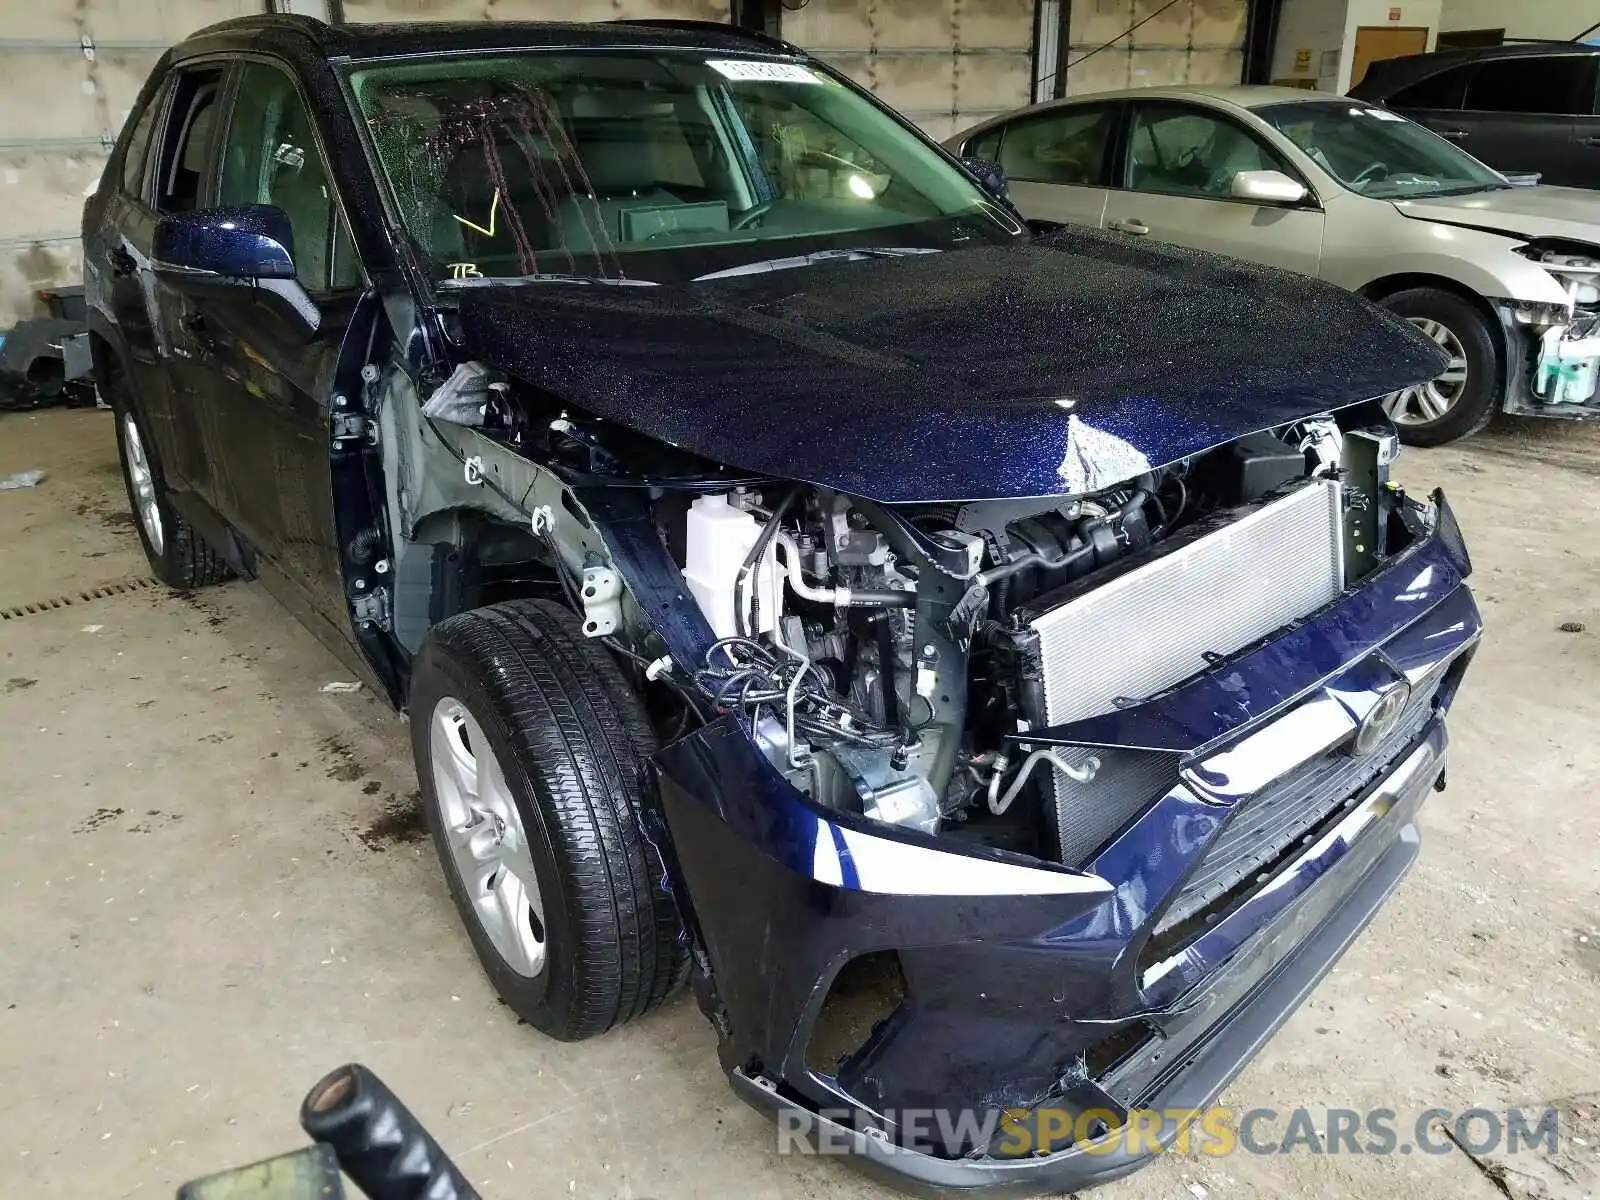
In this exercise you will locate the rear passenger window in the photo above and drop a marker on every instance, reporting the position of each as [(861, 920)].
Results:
[(1549, 85), (137, 151), (1446, 91), (186, 150), (1065, 146)]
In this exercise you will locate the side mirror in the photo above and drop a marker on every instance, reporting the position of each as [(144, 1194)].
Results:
[(245, 245), (992, 176), (245, 242), (1267, 187)]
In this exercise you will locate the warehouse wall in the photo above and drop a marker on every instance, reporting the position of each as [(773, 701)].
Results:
[(1192, 41), (1557, 20), (946, 64), (69, 71), (531, 10)]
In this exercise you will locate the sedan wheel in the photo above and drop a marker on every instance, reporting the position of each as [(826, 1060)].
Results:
[(1431, 402), (486, 837)]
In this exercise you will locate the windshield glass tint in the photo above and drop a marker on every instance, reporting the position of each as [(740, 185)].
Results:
[(1377, 153), (661, 166)]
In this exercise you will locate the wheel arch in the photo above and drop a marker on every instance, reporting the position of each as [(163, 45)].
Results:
[(1381, 289)]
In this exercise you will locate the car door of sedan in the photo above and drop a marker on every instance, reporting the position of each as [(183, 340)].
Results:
[(1177, 170)]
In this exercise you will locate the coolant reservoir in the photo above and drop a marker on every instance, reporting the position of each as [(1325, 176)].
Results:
[(720, 537)]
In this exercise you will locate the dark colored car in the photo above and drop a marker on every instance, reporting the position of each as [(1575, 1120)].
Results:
[(1522, 108), (996, 669)]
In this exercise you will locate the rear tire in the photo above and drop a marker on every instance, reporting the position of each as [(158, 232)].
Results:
[(554, 788), (179, 556), (1462, 400)]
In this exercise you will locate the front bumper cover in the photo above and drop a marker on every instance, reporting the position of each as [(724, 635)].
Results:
[(1256, 994)]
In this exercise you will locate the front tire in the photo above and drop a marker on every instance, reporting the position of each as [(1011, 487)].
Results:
[(179, 556), (1462, 400), (532, 751)]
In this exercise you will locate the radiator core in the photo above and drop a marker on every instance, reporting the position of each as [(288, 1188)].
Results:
[(1153, 626)]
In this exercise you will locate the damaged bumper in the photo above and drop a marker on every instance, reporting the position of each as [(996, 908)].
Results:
[(1145, 980)]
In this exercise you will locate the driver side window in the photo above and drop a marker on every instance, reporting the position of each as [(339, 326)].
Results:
[(271, 157), (1179, 150)]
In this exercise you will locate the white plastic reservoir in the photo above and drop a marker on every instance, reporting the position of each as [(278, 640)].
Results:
[(719, 539)]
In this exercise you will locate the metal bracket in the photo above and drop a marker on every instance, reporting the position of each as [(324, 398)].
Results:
[(372, 608), (602, 601), (351, 426)]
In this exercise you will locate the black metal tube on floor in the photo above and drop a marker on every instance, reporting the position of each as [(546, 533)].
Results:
[(381, 1146)]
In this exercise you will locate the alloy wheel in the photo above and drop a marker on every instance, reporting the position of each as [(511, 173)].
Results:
[(144, 485), (1428, 403), (487, 840)]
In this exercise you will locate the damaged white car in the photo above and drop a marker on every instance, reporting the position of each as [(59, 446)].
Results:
[(1502, 277)]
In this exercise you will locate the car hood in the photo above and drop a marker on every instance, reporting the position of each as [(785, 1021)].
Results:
[(1516, 212), (1050, 366)]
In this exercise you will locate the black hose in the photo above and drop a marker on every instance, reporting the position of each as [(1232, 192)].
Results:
[(769, 532), (380, 1145), (1006, 570), (891, 699)]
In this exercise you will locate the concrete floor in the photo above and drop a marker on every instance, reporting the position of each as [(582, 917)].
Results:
[(216, 888)]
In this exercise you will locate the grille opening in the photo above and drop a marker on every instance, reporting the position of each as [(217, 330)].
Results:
[(1184, 922), (1106, 1055), (862, 996)]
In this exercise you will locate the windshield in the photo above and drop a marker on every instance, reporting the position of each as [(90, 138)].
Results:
[(1379, 153), (654, 167)]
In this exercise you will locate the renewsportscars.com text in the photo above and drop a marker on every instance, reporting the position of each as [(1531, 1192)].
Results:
[(1216, 1131)]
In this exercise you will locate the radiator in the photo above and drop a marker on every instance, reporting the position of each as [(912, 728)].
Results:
[(1153, 626)]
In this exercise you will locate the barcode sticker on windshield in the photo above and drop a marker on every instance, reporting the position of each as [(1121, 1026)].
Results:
[(748, 70)]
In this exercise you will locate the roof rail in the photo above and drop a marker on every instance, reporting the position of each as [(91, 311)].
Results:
[(751, 35)]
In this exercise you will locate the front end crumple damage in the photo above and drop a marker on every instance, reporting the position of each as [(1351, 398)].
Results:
[(1144, 980)]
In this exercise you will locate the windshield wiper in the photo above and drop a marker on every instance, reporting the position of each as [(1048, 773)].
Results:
[(542, 277), (854, 254)]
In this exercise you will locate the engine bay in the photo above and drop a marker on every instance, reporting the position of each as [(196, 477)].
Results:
[(890, 660)]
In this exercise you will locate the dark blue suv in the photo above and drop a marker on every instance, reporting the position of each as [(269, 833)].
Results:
[(995, 667)]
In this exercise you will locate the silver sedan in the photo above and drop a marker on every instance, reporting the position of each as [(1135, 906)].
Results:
[(1505, 278)]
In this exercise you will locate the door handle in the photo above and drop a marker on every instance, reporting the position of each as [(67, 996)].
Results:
[(194, 324), (122, 264), (1589, 141), (1132, 225), (1455, 135)]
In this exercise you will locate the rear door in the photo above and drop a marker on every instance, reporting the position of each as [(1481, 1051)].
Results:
[(268, 371), (1058, 162), (1177, 168), (117, 238), (182, 179), (1522, 114)]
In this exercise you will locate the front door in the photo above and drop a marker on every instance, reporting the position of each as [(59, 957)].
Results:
[(268, 358), (1179, 166), (1374, 42)]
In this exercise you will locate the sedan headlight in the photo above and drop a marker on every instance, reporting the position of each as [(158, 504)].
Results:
[(1578, 273)]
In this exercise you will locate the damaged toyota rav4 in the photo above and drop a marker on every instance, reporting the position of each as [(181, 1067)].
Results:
[(997, 670)]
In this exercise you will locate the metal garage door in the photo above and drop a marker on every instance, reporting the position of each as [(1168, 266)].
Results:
[(944, 63), (1183, 41), (69, 70), (532, 10)]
